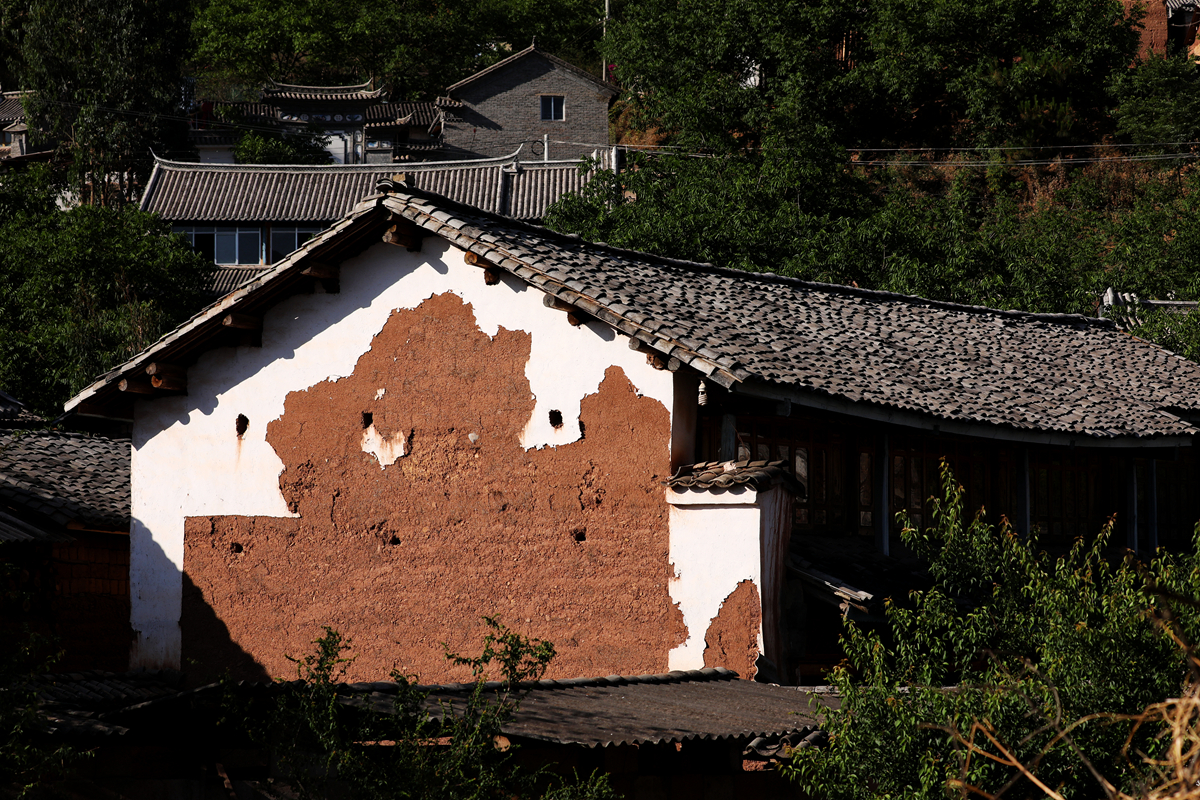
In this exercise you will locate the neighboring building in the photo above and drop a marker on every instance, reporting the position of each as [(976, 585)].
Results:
[(429, 413), (529, 96), (246, 217), (64, 526), (1167, 25), (362, 126)]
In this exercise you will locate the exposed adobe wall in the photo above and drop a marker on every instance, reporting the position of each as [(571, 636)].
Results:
[(504, 107), (731, 640), (568, 544), (1154, 32), (188, 461)]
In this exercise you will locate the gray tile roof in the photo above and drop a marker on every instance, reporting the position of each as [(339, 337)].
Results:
[(189, 192), (423, 114), (287, 91), (526, 53), (1033, 372), (11, 109), (58, 478), (722, 475), (225, 279), (14, 414), (881, 356)]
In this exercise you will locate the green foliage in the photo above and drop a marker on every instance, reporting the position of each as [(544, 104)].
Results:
[(326, 741), (415, 48), (84, 288), (1178, 332), (975, 74), (1159, 100), (104, 77), (1012, 643), (260, 147)]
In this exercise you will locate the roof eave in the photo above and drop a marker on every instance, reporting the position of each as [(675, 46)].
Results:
[(915, 420)]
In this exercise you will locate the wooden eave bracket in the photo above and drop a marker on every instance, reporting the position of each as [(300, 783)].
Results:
[(167, 377), (315, 268), (404, 233), (655, 358)]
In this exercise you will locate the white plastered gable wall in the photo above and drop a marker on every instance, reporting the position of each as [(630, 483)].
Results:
[(188, 461), (719, 539)]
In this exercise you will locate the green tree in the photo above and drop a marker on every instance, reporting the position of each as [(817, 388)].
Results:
[(1010, 643), (1159, 100), (104, 78), (416, 49), (84, 288)]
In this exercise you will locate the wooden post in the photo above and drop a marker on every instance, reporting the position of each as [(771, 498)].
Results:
[(1151, 504), (882, 516)]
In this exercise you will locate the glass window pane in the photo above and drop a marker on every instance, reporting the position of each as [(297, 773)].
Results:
[(249, 246), (204, 244), (225, 251), (283, 241)]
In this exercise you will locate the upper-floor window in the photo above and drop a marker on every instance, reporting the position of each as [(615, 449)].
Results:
[(225, 244), (287, 239), (553, 107)]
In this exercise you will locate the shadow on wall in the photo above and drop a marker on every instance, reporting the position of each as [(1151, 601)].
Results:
[(209, 652)]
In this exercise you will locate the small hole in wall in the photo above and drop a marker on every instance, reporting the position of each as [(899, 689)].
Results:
[(242, 424), (579, 535), (395, 540), (368, 419), (556, 418), (235, 548)]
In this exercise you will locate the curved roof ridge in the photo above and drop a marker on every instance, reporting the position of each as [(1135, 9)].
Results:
[(398, 167), (358, 87), (766, 276)]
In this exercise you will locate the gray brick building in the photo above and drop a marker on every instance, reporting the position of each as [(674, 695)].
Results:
[(528, 96)]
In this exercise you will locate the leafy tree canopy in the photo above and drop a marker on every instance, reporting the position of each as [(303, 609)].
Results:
[(84, 288), (417, 49), (104, 79), (1008, 649)]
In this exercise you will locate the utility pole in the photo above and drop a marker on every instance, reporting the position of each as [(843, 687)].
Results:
[(603, 36)]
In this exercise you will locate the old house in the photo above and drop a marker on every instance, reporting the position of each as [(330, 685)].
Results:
[(361, 125), (247, 217), (529, 96), (428, 413), (64, 538)]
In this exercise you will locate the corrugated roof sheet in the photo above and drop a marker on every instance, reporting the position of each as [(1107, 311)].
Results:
[(66, 477), (189, 192)]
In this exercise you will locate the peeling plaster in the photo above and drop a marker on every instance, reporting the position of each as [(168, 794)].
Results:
[(386, 449), (308, 339)]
